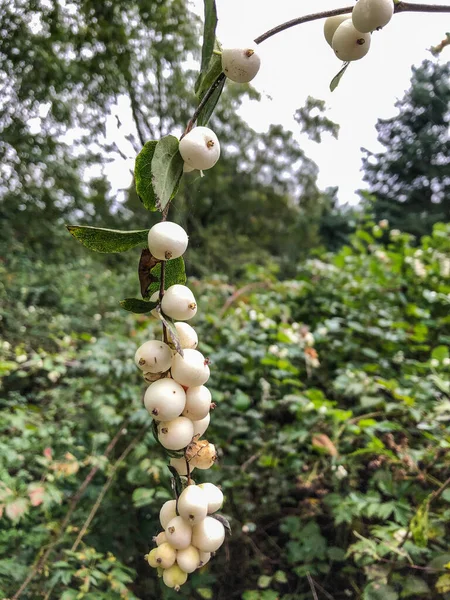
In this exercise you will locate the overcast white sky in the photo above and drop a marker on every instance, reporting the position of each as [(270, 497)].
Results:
[(298, 62)]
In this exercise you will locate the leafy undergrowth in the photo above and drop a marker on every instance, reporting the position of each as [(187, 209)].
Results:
[(334, 448)]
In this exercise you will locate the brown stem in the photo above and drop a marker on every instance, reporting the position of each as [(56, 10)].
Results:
[(400, 7), (312, 586), (39, 564)]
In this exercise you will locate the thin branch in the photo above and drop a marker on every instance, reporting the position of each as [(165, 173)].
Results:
[(39, 564), (312, 586), (300, 20), (400, 7)]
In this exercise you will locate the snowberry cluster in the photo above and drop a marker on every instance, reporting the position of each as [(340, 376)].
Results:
[(350, 35), (180, 404), (190, 535)]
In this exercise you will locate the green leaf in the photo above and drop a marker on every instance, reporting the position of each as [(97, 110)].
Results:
[(379, 591), (143, 175), (137, 306), (209, 32), (172, 334), (210, 75), (143, 496), (208, 109), (175, 273), (337, 78), (264, 581), (108, 240), (167, 169), (414, 586), (440, 353), (280, 577)]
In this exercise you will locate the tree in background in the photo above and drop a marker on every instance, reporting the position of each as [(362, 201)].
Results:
[(411, 178), (66, 66)]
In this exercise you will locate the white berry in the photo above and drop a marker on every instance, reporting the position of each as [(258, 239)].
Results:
[(349, 43), (202, 425), (331, 24), (165, 555), (187, 335), (180, 465), (208, 535), (369, 15), (179, 303), (167, 240), (179, 533), (241, 64), (193, 504), (188, 559), (153, 357), (191, 369), (175, 434), (151, 558), (214, 496), (160, 538), (200, 148), (174, 577), (204, 558), (198, 402), (165, 399), (167, 513)]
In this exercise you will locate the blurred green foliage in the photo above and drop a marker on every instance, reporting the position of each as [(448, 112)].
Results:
[(332, 448)]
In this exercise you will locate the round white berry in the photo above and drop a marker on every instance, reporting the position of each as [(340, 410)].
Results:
[(165, 399), (369, 15), (179, 303), (175, 434), (331, 24), (190, 370), (193, 504), (153, 357), (187, 335), (180, 465), (214, 496), (167, 513), (151, 558), (167, 240), (349, 43), (241, 64), (198, 403), (202, 425), (179, 533), (208, 535), (174, 577), (187, 168), (204, 558), (200, 148), (188, 559), (165, 555), (160, 538)]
